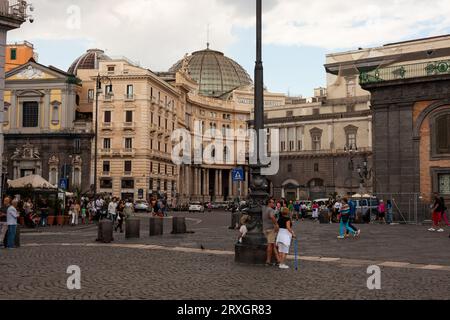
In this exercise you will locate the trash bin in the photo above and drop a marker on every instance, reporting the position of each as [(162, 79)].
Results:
[(179, 225), (132, 228), (156, 226), (105, 231)]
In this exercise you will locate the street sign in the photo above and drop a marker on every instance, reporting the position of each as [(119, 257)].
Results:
[(141, 194), (238, 174), (63, 184)]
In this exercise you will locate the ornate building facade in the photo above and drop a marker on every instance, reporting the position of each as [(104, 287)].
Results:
[(44, 133)]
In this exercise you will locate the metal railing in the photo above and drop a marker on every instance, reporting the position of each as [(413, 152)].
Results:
[(407, 71)]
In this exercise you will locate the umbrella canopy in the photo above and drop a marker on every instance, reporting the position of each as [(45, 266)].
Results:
[(33, 181), (357, 196)]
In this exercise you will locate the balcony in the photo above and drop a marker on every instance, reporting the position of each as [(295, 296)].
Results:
[(106, 152), (127, 173), (108, 97), (106, 173), (106, 126), (15, 10), (129, 97), (129, 126), (407, 71), (128, 152)]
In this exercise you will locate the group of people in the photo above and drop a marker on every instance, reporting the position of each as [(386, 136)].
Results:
[(439, 214)]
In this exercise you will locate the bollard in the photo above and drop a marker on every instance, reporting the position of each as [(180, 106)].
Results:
[(17, 239), (179, 225), (132, 228), (156, 226), (105, 231), (235, 219)]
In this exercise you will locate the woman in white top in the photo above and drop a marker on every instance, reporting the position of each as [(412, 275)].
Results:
[(284, 237)]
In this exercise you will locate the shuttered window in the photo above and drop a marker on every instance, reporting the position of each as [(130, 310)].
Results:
[(443, 134)]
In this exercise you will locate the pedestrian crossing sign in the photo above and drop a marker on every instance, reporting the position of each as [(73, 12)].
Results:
[(238, 174)]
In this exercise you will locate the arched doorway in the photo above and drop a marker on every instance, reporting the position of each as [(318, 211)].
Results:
[(290, 190)]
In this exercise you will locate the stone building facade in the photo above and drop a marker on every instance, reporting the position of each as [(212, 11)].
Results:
[(44, 133)]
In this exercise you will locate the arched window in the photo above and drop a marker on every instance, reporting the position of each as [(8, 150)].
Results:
[(442, 134)]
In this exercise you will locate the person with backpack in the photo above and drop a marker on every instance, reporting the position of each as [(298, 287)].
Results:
[(352, 218), (344, 213)]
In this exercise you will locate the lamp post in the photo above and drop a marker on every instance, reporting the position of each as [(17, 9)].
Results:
[(351, 150), (98, 87), (252, 250), (364, 172)]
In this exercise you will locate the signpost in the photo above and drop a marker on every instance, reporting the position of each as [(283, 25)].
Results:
[(238, 176)]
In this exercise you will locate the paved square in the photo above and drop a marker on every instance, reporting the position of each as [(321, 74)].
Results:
[(415, 264)]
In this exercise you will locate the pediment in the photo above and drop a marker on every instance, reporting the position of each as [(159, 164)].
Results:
[(29, 93), (34, 71)]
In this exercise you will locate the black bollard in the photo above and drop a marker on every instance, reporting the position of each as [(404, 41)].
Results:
[(105, 231), (156, 226), (132, 228), (17, 239), (179, 225)]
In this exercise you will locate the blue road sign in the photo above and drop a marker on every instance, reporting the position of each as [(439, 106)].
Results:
[(238, 174), (63, 184)]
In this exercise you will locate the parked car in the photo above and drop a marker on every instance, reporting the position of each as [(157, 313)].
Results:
[(196, 207), (308, 204), (141, 205), (321, 202)]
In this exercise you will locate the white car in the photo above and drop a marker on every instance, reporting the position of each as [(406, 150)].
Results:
[(141, 205), (196, 207)]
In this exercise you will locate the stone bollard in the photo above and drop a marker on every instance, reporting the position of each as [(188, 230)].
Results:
[(105, 231), (156, 226), (132, 228), (179, 225), (235, 219)]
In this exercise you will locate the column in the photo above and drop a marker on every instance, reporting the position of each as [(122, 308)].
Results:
[(282, 192), (47, 110), (220, 183), (13, 110), (286, 139), (298, 193), (369, 139), (195, 181), (216, 183), (295, 139)]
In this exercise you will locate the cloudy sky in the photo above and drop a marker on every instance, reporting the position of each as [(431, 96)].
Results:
[(297, 33)]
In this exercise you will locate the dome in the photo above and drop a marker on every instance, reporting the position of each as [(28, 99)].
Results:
[(89, 60), (214, 72)]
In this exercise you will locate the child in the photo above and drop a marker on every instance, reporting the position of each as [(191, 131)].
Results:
[(243, 230)]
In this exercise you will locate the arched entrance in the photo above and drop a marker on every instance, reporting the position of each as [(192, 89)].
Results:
[(290, 190)]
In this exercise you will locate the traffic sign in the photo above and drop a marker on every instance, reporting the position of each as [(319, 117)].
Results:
[(63, 184), (238, 174)]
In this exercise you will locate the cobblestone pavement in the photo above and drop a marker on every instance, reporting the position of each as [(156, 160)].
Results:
[(174, 266)]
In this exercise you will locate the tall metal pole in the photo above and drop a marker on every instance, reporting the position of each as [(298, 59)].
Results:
[(96, 135), (259, 80)]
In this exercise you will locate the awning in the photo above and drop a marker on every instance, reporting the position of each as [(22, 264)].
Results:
[(32, 181)]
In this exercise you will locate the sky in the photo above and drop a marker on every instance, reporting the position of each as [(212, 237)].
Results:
[(297, 34)]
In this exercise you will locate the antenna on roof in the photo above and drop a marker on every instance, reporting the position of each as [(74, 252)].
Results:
[(207, 36)]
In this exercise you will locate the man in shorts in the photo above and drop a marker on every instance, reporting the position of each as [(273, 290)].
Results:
[(270, 226)]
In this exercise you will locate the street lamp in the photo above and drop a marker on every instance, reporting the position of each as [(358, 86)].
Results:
[(351, 151), (365, 173), (98, 87), (252, 250)]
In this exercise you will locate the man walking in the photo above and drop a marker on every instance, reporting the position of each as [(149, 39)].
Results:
[(3, 224), (270, 226), (112, 207), (352, 217), (11, 218)]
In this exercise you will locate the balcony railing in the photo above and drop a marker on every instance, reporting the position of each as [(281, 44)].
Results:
[(408, 71), (130, 97), (107, 125), (129, 125)]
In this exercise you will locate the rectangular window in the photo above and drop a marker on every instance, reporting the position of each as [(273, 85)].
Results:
[(351, 140), (151, 117), (159, 146), (291, 145), (130, 91), (111, 68), (444, 183), (77, 146), (13, 54), (128, 116), (316, 167), (107, 116), (128, 143), (316, 143), (151, 167), (91, 95), (127, 184), (165, 147), (159, 121), (299, 145), (151, 144), (127, 166), (289, 168), (106, 183), (107, 143), (106, 166), (30, 114), (109, 89), (166, 126), (283, 146)]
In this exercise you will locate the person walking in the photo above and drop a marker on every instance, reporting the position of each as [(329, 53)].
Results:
[(270, 226), (344, 219), (444, 213), (120, 216), (437, 210), (297, 210), (3, 222), (315, 212), (112, 208), (304, 210), (352, 218), (11, 218), (382, 212), (390, 212), (284, 237), (77, 211)]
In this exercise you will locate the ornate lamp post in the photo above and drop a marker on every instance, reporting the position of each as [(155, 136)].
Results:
[(253, 248), (99, 80), (364, 172), (351, 150)]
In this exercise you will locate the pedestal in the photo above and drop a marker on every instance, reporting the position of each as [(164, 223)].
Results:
[(105, 231), (179, 225), (156, 226), (252, 250), (132, 228)]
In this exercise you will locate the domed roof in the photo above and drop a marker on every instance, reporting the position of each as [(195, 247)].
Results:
[(214, 72), (89, 60)]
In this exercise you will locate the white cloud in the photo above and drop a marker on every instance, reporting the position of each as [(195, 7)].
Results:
[(158, 32)]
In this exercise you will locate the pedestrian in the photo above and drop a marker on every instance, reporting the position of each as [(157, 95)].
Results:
[(71, 213), (3, 221), (444, 212), (344, 219), (381, 212), (83, 212), (330, 211), (270, 226), (44, 213), (304, 210), (315, 211), (437, 210), (390, 212), (297, 210), (284, 237), (120, 216), (77, 211), (352, 217), (11, 218), (128, 209), (112, 207), (337, 209), (291, 208)]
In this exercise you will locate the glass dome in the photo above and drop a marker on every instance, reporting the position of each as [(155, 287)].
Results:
[(89, 60), (214, 72)]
